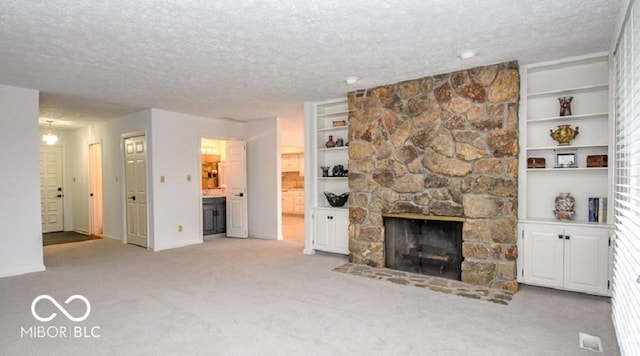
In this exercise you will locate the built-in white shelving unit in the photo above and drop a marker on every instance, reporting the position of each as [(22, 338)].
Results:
[(328, 228), (566, 254)]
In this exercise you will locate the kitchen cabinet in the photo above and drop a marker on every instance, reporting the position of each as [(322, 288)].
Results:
[(331, 228), (292, 162), (214, 215), (566, 256), (293, 202)]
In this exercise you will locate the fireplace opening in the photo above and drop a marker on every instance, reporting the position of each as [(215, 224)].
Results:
[(430, 247)]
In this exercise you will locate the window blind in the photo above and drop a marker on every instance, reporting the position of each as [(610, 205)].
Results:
[(626, 265)]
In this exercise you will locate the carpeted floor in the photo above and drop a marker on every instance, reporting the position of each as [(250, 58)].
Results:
[(63, 237), (259, 297)]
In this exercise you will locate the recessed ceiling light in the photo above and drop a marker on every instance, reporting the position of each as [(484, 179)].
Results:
[(351, 80), (467, 54)]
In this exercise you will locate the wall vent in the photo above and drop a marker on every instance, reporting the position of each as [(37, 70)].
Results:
[(590, 342)]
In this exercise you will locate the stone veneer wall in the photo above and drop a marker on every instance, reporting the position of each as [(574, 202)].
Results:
[(445, 145)]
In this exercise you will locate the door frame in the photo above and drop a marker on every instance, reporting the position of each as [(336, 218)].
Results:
[(149, 181), (91, 212)]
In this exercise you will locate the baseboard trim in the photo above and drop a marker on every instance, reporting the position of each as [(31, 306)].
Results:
[(264, 237), (20, 271), (172, 246)]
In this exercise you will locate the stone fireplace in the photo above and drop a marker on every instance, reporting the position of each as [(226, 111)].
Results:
[(441, 146)]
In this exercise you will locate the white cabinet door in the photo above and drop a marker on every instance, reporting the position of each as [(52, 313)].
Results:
[(287, 203), (543, 255), (586, 262), (341, 233), (290, 163), (331, 230), (321, 231)]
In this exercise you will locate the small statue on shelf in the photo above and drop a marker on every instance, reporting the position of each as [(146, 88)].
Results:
[(565, 105)]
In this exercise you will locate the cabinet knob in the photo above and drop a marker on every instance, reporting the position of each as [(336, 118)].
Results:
[(560, 237), (567, 237)]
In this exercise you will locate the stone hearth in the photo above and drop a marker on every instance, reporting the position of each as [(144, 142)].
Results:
[(442, 146)]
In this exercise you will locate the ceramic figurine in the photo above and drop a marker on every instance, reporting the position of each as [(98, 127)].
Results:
[(565, 105)]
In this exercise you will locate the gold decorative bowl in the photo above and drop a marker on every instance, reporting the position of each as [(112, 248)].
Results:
[(564, 134)]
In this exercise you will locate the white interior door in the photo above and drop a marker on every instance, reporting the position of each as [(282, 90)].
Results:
[(51, 202), (136, 189), (95, 188), (236, 167)]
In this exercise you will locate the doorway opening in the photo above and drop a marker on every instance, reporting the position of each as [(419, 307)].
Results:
[(213, 158), (224, 187), (292, 172), (95, 189)]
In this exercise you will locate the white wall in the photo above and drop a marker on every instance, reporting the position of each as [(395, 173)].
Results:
[(290, 138), (21, 241), (176, 154), (263, 179)]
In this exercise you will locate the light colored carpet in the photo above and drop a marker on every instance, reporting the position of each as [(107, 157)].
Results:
[(257, 297)]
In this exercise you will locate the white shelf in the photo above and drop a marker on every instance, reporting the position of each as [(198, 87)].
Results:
[(332, 178), (582, 223), (336, 113), (572, 117), (604, 169), (564, 148), (336, 128), (343, 148), (568, 91)]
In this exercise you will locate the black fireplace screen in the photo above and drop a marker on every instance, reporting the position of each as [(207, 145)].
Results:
[(431, 247)]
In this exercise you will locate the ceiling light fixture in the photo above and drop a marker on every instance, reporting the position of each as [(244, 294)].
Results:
[(351, 80), (49, 137), (467, 54)]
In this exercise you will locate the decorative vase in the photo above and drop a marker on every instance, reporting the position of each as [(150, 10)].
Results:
[(564, 204), (564, 134), (339, 142), (330, 143), (565, 105)]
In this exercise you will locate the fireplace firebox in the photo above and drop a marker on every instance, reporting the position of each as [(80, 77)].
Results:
[(425, 246)]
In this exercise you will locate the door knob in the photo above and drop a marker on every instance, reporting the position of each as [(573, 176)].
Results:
[(240, 195), (133, 197)]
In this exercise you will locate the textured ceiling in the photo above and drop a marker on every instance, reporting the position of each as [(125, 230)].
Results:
[(250, 59)]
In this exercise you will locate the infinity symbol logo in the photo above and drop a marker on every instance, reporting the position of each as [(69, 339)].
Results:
[(63, 310)]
